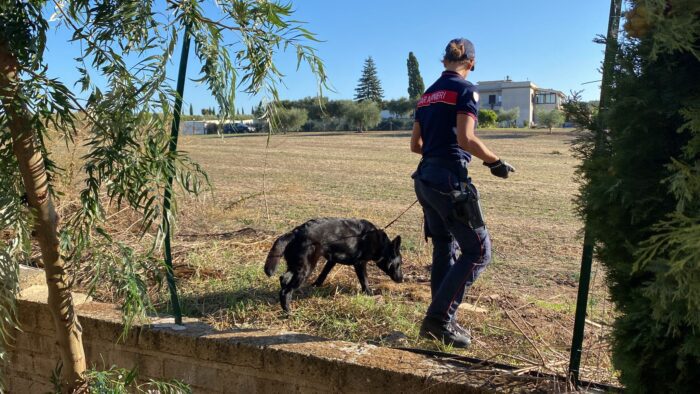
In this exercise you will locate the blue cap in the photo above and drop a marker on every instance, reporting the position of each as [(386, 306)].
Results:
[(466, 48)]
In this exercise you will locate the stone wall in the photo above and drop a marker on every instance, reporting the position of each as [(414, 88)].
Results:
[(243, 360)]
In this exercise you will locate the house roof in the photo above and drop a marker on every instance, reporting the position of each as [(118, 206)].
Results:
[(510, 84), (559, 93), (505, 84)]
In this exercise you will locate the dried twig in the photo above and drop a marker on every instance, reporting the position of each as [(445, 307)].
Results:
[(244, 198), (594, 324), (500, 328), (526, 337)]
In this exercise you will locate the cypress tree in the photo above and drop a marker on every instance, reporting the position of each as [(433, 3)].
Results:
[(191, 110), (641, 197), (369, 87), (416, 87)]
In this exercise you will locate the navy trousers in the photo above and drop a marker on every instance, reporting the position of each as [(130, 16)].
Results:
[(451, 275)]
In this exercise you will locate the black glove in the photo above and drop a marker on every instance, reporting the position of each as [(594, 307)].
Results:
[(500, 168)]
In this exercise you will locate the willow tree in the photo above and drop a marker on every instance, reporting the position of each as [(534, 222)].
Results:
[(122, 115)]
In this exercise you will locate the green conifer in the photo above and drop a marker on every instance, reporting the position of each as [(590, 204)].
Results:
[(369, 87), (416, 87)]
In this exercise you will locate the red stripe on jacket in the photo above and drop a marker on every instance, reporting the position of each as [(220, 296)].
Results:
[(440, 96)]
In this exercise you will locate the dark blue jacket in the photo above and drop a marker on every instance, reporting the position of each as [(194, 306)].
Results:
[(436, 112)]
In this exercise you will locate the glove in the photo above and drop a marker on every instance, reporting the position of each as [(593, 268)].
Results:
[(500, 168)]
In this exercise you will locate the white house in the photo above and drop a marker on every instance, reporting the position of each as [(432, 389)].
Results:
[(507, 94)]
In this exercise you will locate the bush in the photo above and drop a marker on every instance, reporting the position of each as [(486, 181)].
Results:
[(487, 118), (123, 381)]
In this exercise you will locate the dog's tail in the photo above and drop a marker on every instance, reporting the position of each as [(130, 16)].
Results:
[(273, 258)]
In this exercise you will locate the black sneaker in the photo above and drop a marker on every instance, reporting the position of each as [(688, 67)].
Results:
[(459, 329), (436, 329)]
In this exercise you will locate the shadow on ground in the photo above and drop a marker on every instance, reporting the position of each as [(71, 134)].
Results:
[(213, 303)]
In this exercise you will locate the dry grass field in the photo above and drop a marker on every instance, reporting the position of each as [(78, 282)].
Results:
[(520, 311)]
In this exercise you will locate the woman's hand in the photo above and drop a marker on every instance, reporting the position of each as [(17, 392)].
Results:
[(500, 168)]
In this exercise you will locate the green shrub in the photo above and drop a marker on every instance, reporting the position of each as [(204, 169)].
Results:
[(487, 118), (123, 381)]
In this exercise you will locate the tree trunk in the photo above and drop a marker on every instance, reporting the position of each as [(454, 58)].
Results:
[(33, 170)]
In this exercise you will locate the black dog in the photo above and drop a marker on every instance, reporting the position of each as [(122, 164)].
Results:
[(345, 241)]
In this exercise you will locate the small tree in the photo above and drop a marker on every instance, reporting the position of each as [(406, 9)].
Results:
[(363, 115), (509, 116), (550, 119), (291, 119), (369, 87), (487, 118), (191, 110), (416, 87)]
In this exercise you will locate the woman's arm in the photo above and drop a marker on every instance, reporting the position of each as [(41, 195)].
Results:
[(468, 141), (416, 139)]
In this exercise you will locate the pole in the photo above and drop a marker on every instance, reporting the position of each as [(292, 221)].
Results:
[(588, 241), (170, 277)]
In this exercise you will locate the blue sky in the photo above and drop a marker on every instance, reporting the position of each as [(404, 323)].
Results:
[(546, 42)]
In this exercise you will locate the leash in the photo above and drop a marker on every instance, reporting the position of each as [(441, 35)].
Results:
[(401, 214)]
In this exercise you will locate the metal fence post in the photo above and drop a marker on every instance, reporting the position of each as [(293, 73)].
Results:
[(588, 241), (170, 277)]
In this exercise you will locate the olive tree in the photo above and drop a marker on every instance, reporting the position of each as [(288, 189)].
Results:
[(124, 122), (400, 107), (550, 119), (363, 115), (291, 119), (509, 116)]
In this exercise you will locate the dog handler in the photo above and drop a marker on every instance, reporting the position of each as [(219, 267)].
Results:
[(443, 133)]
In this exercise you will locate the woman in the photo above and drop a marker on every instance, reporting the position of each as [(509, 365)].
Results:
[(443, 133)]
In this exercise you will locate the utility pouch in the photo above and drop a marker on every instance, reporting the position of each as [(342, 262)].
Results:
[(466, 206)]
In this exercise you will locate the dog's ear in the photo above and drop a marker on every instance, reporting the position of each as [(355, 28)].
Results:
[(396, 243)]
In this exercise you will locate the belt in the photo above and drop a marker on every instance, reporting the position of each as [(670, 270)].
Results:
[(454, 166)]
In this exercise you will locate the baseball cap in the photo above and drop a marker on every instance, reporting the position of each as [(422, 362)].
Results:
[(468, 50)]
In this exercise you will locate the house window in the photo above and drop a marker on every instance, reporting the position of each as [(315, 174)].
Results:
[(492, 99), (546, 98)]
